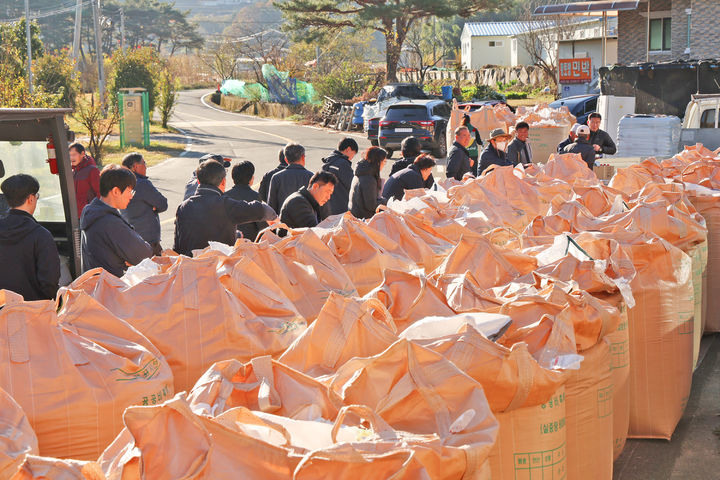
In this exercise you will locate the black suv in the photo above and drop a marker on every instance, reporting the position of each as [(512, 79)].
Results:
[(424, 119)]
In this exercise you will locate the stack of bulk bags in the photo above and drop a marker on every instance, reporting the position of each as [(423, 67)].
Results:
[(525, 397), (417, 390), (396, 228), (660, 329), (303, 267), (192, 319), (345, 328), (363, 252), (74, 367), (17, 438), (264, 385)]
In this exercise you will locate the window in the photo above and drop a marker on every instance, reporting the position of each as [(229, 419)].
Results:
[(660, 34), (590, 105), (495, 43), (442, 110), (707, 119)]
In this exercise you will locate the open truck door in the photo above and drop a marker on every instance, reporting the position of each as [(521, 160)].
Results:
[(25, 134)]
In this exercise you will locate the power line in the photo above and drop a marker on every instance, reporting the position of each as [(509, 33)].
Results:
[(45, 14)]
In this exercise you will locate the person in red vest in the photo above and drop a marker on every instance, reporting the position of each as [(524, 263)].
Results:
[(86, 176)]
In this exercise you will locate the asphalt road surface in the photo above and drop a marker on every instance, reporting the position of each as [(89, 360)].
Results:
[(208, 129)]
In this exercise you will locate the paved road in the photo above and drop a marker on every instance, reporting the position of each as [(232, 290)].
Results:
[(241, 137)]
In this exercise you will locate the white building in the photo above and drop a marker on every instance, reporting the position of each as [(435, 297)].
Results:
[(501, 43), (493, 43)]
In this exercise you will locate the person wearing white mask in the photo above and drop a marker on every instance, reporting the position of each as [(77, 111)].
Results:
[(494, 152)]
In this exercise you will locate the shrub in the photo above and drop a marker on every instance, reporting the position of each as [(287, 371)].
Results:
[(57, 74), (139, 67), (480, 92), (344, 83), (167, 95)]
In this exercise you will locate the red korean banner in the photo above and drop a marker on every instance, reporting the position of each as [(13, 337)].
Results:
[(575, 70)]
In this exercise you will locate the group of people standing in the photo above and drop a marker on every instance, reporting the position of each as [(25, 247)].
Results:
[(119, 206)]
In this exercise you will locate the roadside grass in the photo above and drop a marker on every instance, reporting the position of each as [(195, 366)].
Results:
[(81, 131), (156, 152)]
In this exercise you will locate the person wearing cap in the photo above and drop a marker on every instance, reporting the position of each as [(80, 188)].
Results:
[(571, 138), (264, 188), (494, 152), (211, 216), (291, 179), (475, 140), (458, 160), (582, 146), (519, 151), (600, 139), (192, 184)]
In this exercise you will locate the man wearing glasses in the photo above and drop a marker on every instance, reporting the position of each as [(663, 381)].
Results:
[(108, 241), (29, 261)]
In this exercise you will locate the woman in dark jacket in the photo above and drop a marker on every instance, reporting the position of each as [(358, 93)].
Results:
[(366, 185)]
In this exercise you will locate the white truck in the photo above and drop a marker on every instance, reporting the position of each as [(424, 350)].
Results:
[(700, 124)]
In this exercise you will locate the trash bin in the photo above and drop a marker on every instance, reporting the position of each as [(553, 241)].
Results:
[(358, 109), (447, 92)]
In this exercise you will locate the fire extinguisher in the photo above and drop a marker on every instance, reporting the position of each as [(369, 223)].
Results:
[(52, 158)]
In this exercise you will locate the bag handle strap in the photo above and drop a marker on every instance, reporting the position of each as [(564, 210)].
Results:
[(270, 228), (268, 397), (379, 426), (244, 416), (521, 355)]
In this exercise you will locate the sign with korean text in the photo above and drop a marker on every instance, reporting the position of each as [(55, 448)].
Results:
[(575, 70)]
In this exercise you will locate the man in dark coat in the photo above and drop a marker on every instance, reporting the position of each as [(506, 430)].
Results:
[(291, 179), (29, 261), (264, 188), (571, 138), (600, 139), (519, 150), (108, 241), (340, 165), (303, 208), (192, 184), (142, 211), (458, 160), (475, 140), (86, 176), (243, 174), (209, 216), (410, 148), (494, 153), (410, 178), (582, 146)]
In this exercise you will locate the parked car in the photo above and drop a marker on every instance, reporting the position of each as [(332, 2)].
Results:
[(580, 105), (424, 119), (402, 90), (372, 130)]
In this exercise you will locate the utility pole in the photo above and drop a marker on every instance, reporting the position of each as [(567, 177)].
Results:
[(122, 29), (76, 33), (98, 51), (29, 45), (434, 42)]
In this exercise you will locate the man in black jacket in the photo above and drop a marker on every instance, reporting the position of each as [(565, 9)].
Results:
[(142, 211), (192, 185), (108, 241), (410, 178), (303, 208), (600, 139), (291, 179), (571, 138), (519, 150), (209, 216), (264, 188), (243, 174), (494, 153), (29, 261), (582, 146), (458, 160), (340, 165)]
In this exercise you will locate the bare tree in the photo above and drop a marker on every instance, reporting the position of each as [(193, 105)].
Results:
[(542, 37), (98, 123), (426, 47), (222, 60), (257, 49)]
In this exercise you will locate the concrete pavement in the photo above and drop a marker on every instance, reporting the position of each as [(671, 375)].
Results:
[(207, 129)]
